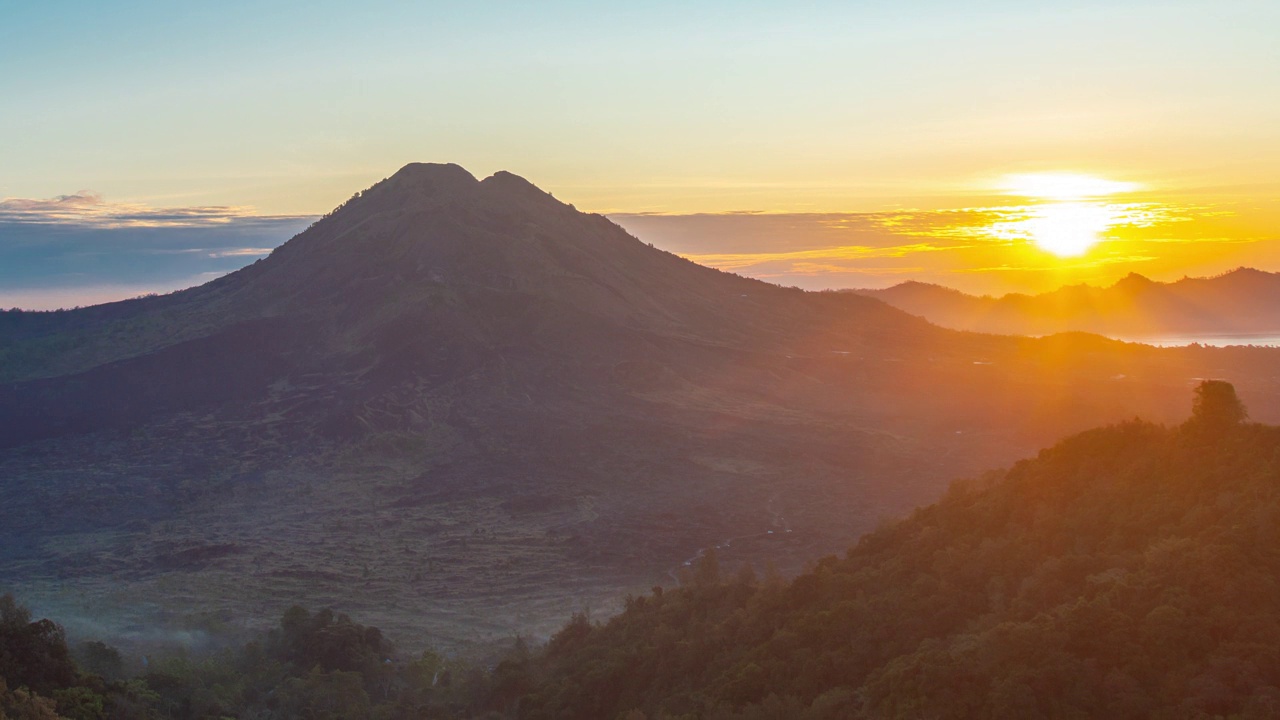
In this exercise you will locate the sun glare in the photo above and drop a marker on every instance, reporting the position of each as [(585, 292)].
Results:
[(1069, 220), (1063, 186), (1069, 229)]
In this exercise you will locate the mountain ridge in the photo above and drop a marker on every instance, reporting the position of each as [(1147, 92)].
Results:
[(1239, 301)]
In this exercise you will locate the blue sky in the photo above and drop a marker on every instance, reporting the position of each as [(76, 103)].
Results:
[(709, 106)]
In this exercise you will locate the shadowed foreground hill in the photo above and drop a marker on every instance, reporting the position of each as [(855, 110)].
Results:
[(1128, 572), (463, 405)]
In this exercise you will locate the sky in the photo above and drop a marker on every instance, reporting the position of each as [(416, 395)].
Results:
[(145, 146)]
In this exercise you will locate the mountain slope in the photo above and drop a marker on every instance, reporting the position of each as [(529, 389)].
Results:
[(431, 232), (462, 405), (422, 275), (1128, 572), (1242, 301)]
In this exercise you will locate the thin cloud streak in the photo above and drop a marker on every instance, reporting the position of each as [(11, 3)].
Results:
[(732, 261), (241, 252), (90, 209)]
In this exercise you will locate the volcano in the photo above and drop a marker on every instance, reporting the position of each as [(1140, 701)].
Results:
[(464, 408), (427, 278)]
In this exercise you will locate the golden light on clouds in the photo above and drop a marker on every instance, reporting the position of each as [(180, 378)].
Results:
[(1029, 247), (1073, 222), (1065, 229)]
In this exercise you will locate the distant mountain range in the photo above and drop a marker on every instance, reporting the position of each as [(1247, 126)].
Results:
[(463, 406), (1243, 301)]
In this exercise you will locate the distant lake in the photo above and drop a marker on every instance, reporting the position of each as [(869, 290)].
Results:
[(1271, 339)]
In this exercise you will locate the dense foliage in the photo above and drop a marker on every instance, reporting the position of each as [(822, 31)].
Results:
[(320, 666), (1128, 572)]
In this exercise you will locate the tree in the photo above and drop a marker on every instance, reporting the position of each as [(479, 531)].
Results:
[(22, 704), (325, 696), (32, 654), (100, 658), (1216, 407)]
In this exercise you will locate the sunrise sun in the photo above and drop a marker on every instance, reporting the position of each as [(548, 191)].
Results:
[(1069, 217)]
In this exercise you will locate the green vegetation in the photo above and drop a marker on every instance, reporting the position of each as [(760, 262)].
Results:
[(1128, 572), (320, 666)]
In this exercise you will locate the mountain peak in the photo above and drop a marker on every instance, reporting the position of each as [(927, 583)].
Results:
[(1134, 277), (513, 186), (416, 182), (1245, 273), (434, 178), (1134, 282)]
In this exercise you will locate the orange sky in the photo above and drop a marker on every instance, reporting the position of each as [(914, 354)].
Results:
[(1010, 244)]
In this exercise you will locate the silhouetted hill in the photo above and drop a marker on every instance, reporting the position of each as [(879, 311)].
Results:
[(461, 404), (1127, 572), (1242, 301)]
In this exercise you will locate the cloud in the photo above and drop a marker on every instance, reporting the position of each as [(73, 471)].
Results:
[(814, 269), (819, 249), (1060, 266), (89, 209), (79, 248), (241, 252), (737, 261), (979, 249)]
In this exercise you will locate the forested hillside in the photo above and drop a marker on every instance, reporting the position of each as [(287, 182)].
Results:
[(1128, 572)]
